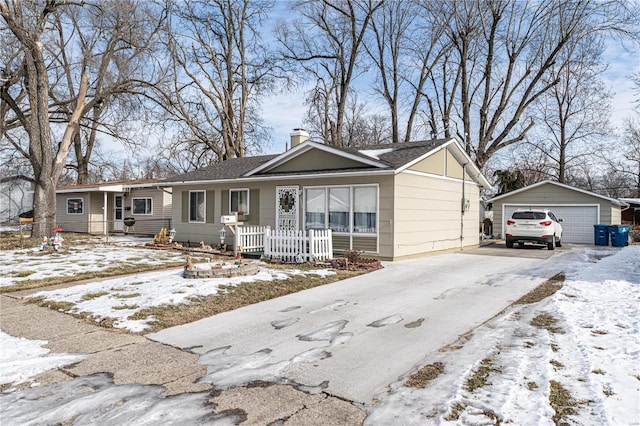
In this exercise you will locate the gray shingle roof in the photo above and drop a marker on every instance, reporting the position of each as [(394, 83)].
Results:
[(397, 156), (229, 169)]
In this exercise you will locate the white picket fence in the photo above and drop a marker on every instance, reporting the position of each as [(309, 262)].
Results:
[(286, 246), (250, 238)]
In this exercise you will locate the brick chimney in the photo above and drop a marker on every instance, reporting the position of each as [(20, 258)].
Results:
[(298, 136)]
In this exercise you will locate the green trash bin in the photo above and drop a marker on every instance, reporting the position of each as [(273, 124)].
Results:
[(619, 235), (601, 237)]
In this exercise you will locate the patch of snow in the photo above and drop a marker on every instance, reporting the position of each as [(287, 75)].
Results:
[(23, 359), (595, 356), (121, 298)]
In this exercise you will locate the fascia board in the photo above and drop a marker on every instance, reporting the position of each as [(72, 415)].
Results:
[(263, 178)]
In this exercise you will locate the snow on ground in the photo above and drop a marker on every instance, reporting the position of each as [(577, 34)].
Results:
[(96, 400), (120, 298), (32, 264), (595, 355), (22, 359)]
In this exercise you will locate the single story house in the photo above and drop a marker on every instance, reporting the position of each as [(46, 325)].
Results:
[(631, 216), (102, 208), (579, 209), (389, 201), (16, 196)]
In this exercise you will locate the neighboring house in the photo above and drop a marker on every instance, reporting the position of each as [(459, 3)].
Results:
[(16, 196), (101, 208), (579, 209), (631, 216), (390, 201)]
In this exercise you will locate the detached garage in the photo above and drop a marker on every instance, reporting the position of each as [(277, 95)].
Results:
[(578, 209)]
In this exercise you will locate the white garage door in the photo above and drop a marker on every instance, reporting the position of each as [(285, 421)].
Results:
[(577, 221)]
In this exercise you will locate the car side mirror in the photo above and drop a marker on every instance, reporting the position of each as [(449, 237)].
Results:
[(559, 220)]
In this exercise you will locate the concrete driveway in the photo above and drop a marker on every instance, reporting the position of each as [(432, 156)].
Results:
[(498, 248), (354, 337)]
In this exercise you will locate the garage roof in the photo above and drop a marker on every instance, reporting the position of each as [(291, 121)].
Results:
[(562, 185)]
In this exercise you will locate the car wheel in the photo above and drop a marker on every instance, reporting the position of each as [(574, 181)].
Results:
[(509, 244), (551, 245), (559, 242)]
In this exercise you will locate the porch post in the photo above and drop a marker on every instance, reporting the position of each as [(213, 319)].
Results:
[(104, 214)]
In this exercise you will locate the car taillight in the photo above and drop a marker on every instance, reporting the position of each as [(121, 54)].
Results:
[(510, 222), (546, 223)]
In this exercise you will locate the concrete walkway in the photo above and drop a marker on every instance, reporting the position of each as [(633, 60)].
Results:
[(133, 359), (355, 337)]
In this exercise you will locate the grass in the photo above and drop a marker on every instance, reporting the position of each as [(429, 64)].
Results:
[(562, 403), (126, 295), (544, 290), (556, 364), (81, 276), (234, 297), (548, 322), (123, 307), (424, 375), (479, 378), (91, 296)]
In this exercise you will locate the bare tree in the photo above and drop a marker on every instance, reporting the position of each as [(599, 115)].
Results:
[(504, 52), (114, 42), (575, 112), (221, 67), (405, 47), (327, 44), (25, 89)]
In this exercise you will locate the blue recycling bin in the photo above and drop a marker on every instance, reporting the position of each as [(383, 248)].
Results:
[(619, 235), (601, 234)]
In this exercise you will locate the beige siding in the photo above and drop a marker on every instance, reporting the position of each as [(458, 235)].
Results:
[(72, 222), (160, 209), (433, 164), (549, 195), (428, 215), (267, 209), (454, 168)]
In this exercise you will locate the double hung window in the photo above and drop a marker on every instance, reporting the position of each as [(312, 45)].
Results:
[(75, 206), (343, 209), (197, 206), (142, 206), (239, 201)]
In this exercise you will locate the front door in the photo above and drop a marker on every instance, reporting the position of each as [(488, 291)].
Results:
[(118, 213), (287, 208)]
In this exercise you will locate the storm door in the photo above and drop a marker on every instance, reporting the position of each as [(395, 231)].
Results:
[(287, 208), (118, 213)]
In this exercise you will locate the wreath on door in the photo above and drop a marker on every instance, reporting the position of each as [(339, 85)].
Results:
[(287, 202)]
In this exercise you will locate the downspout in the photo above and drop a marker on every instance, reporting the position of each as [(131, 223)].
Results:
[(463, 204)]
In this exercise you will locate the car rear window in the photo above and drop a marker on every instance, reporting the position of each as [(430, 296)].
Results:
[(529, 215)]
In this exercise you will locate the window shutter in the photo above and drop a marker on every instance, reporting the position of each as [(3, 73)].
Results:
[(224, 199), (185, 206), (254, 206), (210, 204)]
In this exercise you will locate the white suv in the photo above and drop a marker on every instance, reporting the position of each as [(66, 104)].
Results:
[(534, 226)]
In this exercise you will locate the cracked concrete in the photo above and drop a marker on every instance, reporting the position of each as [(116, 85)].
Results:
[(134, 359)]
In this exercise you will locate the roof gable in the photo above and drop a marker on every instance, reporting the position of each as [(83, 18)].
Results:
[(312, 156), (559, 185), (312, 159)]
